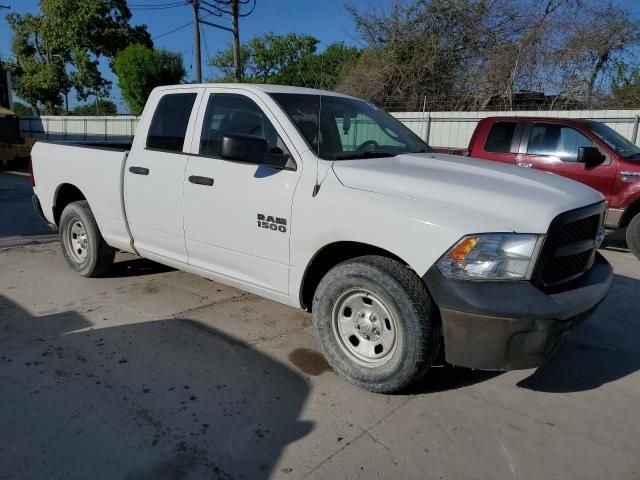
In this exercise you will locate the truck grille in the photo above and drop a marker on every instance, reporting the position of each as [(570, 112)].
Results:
[(570, 247)]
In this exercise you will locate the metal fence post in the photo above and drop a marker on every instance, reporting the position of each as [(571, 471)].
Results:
[(634, 135), (105, 128), (64, 126), (46, 129), (427, 133)]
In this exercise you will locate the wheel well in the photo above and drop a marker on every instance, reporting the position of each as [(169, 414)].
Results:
[(630, 212), (330, 256), (65, 194)]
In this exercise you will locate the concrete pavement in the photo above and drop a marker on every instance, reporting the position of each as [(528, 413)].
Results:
[(151, 373), (157, 374)]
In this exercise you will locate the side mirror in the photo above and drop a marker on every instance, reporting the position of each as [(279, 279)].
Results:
[(251, 149), (590, 156)]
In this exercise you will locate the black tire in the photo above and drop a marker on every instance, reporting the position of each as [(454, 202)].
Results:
[(97, 257), (417, 334), (633, 236)]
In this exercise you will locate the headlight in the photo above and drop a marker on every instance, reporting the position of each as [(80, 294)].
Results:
[(491, 256)]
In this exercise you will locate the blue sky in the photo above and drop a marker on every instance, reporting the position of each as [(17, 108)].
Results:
[(326, 20)]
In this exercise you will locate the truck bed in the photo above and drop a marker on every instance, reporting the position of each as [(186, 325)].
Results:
[(94, 170)]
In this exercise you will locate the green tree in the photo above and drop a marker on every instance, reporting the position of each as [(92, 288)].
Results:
[(320, 70), (625, 86), (289, 59), (100, 107), (141, 69), (59, 49), (22, 110)]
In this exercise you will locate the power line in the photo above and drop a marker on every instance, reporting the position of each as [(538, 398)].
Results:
[(156, 5), (159, 7), (177, 28)]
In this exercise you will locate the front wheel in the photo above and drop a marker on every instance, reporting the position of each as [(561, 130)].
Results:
[(376, 323), (83, 247), (633, 235)]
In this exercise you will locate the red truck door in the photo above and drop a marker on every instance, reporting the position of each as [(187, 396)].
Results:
[(553, 147), (502, 140)]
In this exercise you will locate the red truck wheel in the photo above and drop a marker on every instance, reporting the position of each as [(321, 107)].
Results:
[(633, 236)]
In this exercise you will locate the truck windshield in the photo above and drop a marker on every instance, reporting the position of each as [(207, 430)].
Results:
[(340, 128), (614, 140)]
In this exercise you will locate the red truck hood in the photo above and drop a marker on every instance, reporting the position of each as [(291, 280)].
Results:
[(517, 198)]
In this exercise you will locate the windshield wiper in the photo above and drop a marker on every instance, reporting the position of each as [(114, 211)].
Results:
[(365, 154)]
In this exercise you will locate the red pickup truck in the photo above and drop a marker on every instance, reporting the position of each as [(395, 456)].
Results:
[(586, 151)]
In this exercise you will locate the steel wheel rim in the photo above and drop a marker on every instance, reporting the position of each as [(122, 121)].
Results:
[(365, 328), (77, 240)]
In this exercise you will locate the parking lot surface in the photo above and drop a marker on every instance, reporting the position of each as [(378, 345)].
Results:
[(153, 373)]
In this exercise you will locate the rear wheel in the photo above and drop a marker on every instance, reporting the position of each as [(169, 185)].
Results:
[(633, 235), (376, 323), (83, 247)]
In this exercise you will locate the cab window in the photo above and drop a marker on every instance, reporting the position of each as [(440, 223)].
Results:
[(500, 137), (234, 114), (557, 141), (170, 120)]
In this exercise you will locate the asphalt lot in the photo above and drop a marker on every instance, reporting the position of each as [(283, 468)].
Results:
[(154, 373)]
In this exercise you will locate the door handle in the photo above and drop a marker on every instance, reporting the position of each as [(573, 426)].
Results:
[(525, 165), (201, 180), (139, 170)]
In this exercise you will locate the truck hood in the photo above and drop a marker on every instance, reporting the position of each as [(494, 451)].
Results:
[(517, 198)]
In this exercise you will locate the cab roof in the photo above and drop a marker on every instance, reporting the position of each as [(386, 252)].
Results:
[(260, 87)]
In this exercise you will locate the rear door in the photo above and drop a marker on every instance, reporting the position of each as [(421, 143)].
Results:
[(553, 147), (154, 177), (500, 143), (237, 214)]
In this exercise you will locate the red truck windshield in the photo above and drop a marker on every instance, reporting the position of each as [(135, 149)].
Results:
[(613, 139)]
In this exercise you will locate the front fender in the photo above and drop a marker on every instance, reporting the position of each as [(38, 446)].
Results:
[(416, 232)]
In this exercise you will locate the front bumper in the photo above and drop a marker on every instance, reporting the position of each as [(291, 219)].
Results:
[(506, 325)]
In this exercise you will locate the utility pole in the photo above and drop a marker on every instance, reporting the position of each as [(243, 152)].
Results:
[(196, 38), (234, 9), (236, 40)]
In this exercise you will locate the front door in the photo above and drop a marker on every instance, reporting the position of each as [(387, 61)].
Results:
[(237, 214), (553, 147)]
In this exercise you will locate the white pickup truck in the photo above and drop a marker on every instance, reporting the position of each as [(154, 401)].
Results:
[(326, 203)]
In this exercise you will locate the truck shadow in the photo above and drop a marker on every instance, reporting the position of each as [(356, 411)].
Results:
[(162, 399), (136, 267), (602, 350)]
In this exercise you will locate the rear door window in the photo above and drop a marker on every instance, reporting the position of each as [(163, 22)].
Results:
[(170, 120), (500, 137)]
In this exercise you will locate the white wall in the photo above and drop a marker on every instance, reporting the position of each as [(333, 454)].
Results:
[(444, 129), (454, 129)]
